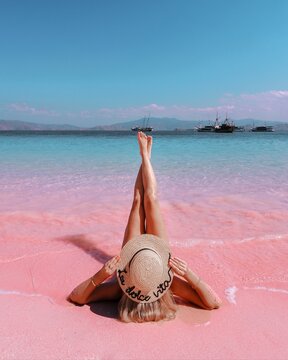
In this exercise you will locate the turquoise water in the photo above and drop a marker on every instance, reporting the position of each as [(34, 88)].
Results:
[(192, 163)]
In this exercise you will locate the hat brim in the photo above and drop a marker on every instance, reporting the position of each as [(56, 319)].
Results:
[(159, 246)]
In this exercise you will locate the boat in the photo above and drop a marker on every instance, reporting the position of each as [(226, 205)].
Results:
[(206, 128), (225, 127), (239, 128), (262, 129), (144, 128)]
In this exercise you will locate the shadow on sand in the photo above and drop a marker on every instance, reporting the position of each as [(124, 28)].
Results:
[(84, 243), (191, 313), (108, 309)]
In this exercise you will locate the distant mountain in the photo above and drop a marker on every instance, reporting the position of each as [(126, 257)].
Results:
[(249, 123), (157, 124), (160, 124), (15, 125), (168, 124)]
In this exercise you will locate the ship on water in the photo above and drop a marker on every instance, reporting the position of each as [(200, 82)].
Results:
[(145, 127), (206, 128), (262, 129), (225, 127), (238, 128)]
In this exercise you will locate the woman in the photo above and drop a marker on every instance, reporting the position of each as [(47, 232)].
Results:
[(145, 218)]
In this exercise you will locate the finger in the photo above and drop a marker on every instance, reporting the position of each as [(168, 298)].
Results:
[(172, 263), (114, 260), (181, 263), (174, 260), (176, 269), (177, 265), (180, 260), (113, 264), (177, 258), (183, 266), (177, 261)]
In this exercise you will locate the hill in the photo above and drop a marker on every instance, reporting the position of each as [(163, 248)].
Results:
[(158, 124), (169, 124), (16, 125)]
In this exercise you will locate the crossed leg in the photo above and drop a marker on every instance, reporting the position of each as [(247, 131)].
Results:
[(145, 205), (154, 221), (136, 221)]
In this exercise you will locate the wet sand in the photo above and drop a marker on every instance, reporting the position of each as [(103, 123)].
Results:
[(44, 255)]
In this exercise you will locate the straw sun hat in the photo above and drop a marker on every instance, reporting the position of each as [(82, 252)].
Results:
[(143, 272)]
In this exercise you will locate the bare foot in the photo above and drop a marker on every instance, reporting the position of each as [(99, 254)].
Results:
[(142, 141), (149, 145)]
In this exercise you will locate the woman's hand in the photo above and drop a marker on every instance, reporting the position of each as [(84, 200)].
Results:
[(179, 266), (110, 266)]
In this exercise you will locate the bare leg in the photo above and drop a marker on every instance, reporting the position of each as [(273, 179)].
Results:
[(154, 221), (136, 221)]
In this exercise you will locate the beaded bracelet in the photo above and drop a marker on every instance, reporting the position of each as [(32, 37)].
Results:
[(93, 282)]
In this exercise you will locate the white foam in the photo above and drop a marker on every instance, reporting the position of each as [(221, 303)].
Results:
[(204, 324), (5, 261), (266, 289), (264, 238), (15, 292), (230, 294), (190, 242)]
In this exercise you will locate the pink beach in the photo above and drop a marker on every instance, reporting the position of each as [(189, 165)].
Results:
[(44, 254)]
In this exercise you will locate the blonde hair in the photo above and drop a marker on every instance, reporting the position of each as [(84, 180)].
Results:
[(162, 309)]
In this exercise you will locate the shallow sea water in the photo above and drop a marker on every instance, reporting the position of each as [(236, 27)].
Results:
[(212, 187)]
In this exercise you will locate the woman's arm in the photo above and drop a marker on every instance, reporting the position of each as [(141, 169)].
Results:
[(193, 289), (85, 292)]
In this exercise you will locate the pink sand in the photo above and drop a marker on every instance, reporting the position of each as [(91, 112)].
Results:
[(44, 254)]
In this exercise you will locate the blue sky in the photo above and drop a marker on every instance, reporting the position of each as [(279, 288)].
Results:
[(95, 62)]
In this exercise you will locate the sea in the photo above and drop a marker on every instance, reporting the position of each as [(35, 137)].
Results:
[(212, 187)]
